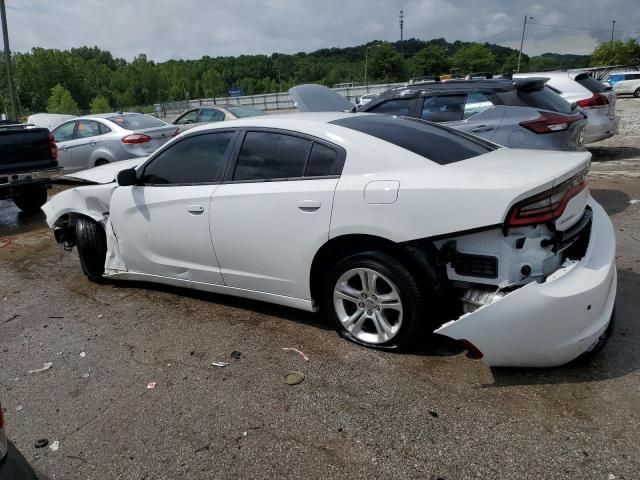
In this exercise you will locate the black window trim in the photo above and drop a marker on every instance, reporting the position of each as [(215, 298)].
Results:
[(140, 170), (231, 165)]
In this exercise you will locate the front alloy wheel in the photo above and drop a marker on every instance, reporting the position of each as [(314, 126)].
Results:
[(368, 305)]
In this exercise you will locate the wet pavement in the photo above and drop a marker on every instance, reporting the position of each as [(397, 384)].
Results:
[(358, 413)]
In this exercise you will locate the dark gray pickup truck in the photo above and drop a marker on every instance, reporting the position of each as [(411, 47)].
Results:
[(28, 164)]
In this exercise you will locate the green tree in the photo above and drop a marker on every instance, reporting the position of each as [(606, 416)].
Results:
[(474, 57), (431, 60), (386, 64), (61, 101), (616, 53), (100, 104)]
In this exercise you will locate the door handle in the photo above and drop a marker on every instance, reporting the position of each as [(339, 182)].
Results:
[(309, 205), (195, 209), (482, 128)]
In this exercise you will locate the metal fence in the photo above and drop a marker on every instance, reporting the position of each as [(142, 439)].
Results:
[(266, 102)]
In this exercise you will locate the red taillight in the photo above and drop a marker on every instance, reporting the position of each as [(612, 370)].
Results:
[(136, 138), (597, 100), (549, 205), (53, 146), (549, 122)]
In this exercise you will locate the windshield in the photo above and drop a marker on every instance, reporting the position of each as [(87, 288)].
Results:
[(136, 121), (242, 111), (434, 142)]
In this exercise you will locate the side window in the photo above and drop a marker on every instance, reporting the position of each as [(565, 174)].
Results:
[(189, 117), (323, 161), (196, 159), (87, 129), (210, 115), (476, 103), (64, 132), (443, 108), (397, 106), (267, 155)]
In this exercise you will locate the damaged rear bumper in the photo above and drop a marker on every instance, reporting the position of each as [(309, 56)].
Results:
[(550, 323)]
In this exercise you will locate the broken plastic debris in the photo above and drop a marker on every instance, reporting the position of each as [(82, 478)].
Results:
[(235, 355), (291, 349), (294, 378), (54, 445), (151, 385), (41, 443), (44, 368), (244, 434), (100, 316), (83, 354), (633, 201), (85, 375), (219, 364), (19, 408)]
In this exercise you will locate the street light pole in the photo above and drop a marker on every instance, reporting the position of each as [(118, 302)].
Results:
[(7, 54), (613, 27), (524, 27)]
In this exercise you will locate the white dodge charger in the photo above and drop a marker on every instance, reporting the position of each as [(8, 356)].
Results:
[(388, 225)]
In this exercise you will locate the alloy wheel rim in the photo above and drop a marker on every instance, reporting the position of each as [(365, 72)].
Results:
[(368, 305)]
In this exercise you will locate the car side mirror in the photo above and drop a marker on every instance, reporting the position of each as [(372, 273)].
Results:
[(127, 177)]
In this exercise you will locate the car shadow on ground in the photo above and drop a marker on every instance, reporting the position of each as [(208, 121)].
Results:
[(608, 154), (613, 201), (619, 358)]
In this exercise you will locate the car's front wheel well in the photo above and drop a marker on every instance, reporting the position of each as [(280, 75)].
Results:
[(417, 258)]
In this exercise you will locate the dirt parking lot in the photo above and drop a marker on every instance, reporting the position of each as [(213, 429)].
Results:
[(431, 414)]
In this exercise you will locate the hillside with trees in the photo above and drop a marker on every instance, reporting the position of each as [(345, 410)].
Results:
[(90, 79)]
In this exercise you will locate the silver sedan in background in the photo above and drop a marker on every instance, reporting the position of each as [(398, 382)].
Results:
[(219, 113), (94, 140)]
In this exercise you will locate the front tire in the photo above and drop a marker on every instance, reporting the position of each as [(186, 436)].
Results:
[(31, 199), (637, 93), (373, 300), (91, 241)]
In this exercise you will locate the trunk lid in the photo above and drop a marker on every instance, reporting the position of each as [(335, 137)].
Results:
[(318, 98), (159, 136)]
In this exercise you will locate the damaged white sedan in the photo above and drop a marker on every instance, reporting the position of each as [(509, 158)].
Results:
[(388, 225)]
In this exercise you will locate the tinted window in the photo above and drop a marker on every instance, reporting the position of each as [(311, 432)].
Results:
[(443, 108), (136, 121), (590, 83), (439, 144), (323, 161), (545, 98), (64, 132), (242, 112), (196, 159), (87, 128), (397, 106), (189, 117), (211, 115), (476, 103), (266, 155), (103, 129)]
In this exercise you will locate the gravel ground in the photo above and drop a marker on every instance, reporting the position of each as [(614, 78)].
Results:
[(358, 414)]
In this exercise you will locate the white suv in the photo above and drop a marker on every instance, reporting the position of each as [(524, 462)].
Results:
[(596, 99), (625, 83)]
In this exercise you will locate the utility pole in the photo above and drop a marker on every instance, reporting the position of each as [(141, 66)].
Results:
[(524, 27), (613, 27), (401, 26), (7, 54)]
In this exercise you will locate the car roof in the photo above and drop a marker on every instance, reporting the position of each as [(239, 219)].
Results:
[(108, 115)]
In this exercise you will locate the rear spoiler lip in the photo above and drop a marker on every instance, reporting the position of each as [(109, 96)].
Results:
[(530, 83)]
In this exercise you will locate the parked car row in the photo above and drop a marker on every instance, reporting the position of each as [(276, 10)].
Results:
[(625, 83)]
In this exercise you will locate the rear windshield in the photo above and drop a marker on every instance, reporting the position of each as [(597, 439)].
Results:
[(136, 121), (591, 83), (545, 98), (242, 112), (439, 144)]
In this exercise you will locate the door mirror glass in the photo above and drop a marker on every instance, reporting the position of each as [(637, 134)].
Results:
[(127, 177)]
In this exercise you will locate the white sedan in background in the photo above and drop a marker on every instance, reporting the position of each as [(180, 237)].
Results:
[(388, 225)]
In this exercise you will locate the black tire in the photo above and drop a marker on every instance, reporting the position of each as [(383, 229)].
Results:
[(412, 296), (100, 162), (31, 199), (637, 93), (92, 248)]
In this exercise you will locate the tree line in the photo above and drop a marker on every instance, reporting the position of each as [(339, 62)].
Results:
[(90, 79)]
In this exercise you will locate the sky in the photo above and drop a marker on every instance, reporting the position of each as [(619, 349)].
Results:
[(174, 29)]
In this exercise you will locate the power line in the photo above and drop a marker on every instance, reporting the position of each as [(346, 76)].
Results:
[(566, 27), (500, 33)]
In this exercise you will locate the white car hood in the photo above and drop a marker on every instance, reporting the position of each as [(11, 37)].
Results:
[(104, 173)]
